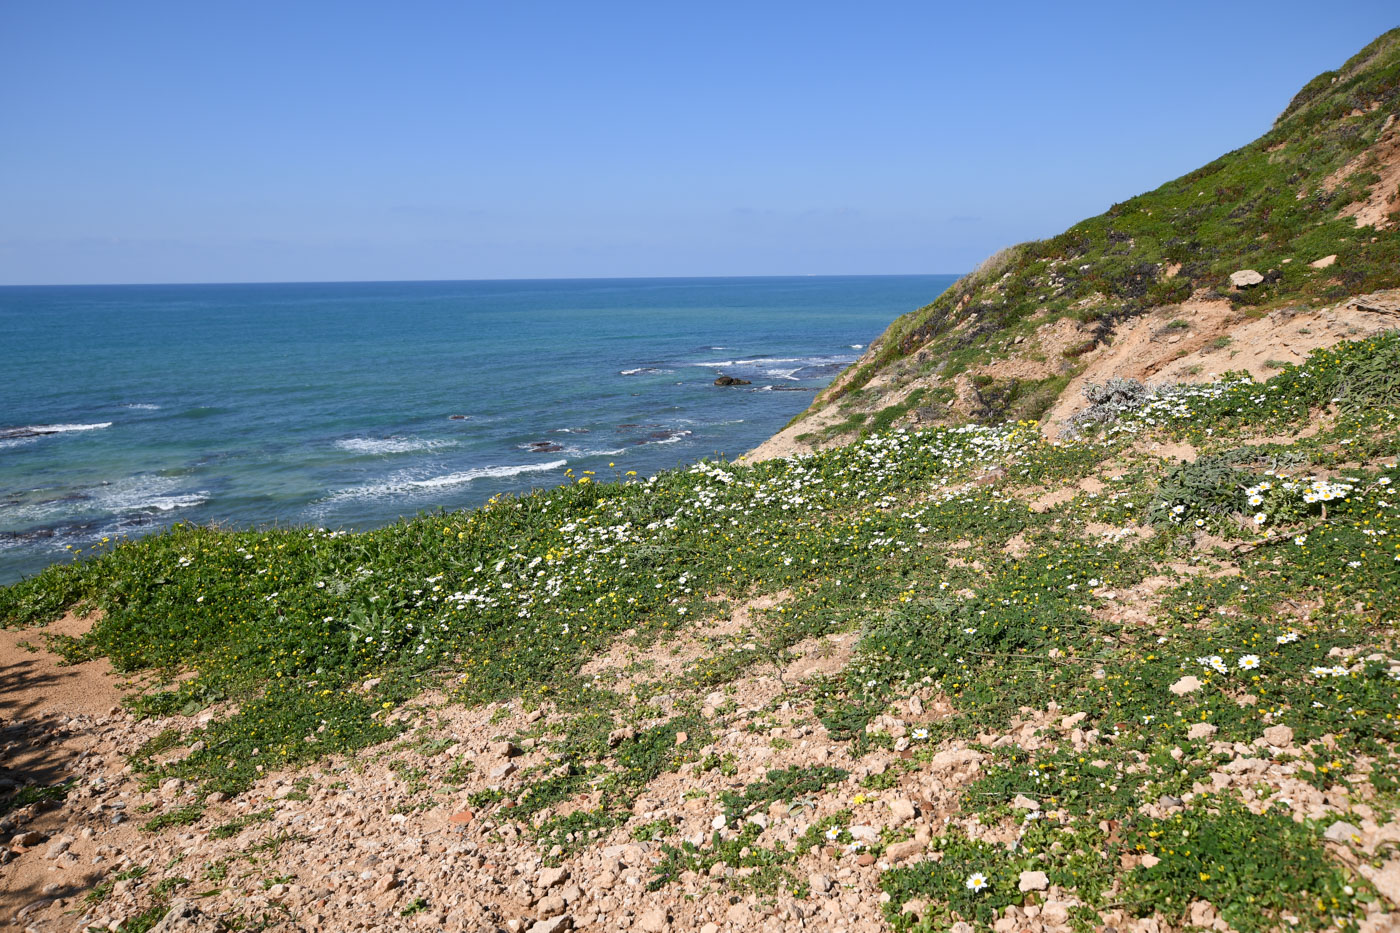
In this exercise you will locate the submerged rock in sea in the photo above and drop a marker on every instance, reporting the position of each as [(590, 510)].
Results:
[(731, 381), (544, 447)]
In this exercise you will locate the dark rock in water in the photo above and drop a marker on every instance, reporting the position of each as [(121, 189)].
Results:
[(544, 447), (456, 417), (731, 381), (792, 388)]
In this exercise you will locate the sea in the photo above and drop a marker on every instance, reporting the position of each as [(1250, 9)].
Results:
[(347, 405)]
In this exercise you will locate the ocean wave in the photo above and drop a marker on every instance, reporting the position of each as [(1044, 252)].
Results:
[(644, 371), (142, 406), (376, 446), (134, 495), (857, 346), (673, 439), (38, 430), (409, 486)]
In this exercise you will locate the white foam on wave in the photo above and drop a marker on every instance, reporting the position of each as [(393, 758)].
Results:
[(673, 439), (32, 430), (142, 495), (644, 371), (405, 485), (142, 406), (783, 373), (857, 346), (389, 445)]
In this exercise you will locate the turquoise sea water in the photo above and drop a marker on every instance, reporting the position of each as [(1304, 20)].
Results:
[(126, 408)]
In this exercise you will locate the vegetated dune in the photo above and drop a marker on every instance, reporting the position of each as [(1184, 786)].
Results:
[(1135, 671)]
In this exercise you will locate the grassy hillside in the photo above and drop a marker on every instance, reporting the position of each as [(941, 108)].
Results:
[(959, 674), (1274, 206)]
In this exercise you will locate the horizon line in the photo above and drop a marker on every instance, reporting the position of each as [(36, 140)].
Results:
[(539, 278)]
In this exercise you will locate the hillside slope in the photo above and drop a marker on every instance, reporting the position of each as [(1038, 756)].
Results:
[(1310, 207), (1142, 677)]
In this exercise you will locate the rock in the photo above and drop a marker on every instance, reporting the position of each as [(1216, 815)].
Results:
[(618, 736), (902, 851), (1386, 879), (28, 839), (1342, 832), (1245, 278), (916, 706), (719, 822), (1069, 722), (1054, 913), (902, 811), (1188, 684), (553, 925), (710, 928), (731, 381), (503, 749), (1149, 861), (962, 926), (182, 915), (385, 884), (461, 818), (654, 921), (1022, 802), (1324, 262), (1033, 881), (550, 906), (865, 860), (682, 738), (1279, 736), (819, 883), (171, 789), (59, 846), (1201, 730), (552, 877)]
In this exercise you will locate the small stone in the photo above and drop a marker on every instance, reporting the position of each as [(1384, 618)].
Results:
[(1342, 832), (1069, 722), (1054, 913), (552, 877), (710, 928), (618, 736), (550, 906), (277, 890), (902, 811), (1033, 881), (1150, 861), (503, 749), (1187, 684), (28, 839), (916, 706), (719, 822), (59, 846), (1279, 736), (385, 883), (170, 789), (502, 771), (1201, 730), (1324, 262), (819, 883), (1022, 802), (654, 921), (1245, 278), (866, 859), (553, 924), (461, 818), (902, 851)]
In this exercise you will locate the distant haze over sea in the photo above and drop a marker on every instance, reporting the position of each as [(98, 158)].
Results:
[(126, 408)]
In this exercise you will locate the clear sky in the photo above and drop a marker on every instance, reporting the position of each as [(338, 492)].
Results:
[(181, 141)]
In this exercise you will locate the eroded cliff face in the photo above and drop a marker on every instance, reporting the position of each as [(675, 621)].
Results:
[(1226, 268)]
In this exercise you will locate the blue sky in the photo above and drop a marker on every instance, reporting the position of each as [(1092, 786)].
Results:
[(313, 141)]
